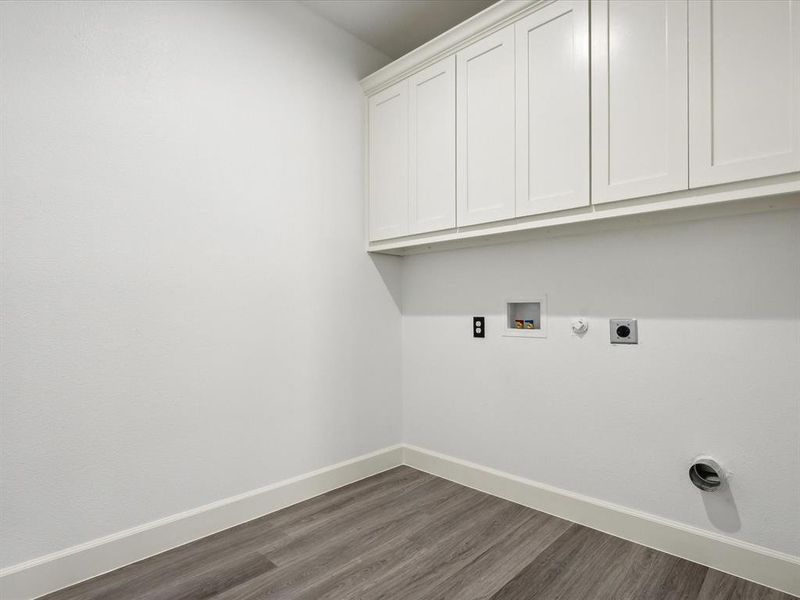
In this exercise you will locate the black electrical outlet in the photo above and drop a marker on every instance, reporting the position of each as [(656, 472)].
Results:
[(478, 327)]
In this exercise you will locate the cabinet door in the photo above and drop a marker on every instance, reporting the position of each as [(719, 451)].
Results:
[(388, 163), (552, 63), (744, 89), (485, 135), (432, 116), (640, 118)]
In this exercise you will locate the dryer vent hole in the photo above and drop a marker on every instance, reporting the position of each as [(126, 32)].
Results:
[(705, 477)]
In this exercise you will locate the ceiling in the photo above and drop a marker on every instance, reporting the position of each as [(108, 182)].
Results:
[(396, 26)]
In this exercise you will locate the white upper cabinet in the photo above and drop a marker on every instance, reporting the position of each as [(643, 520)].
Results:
[(432, 118), (744, 89), (388, 163), (639, 98), (552, 108), (486, 129), (541, 108)]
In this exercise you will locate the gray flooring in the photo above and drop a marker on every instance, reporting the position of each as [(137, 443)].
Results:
[(407, 535)]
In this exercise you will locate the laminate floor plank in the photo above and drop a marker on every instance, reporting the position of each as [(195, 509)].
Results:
[(585, 563), (207, 584), (437, 547), (145, 579), (334, 507), (721, 585), (407, 535), (654, 574), (353, 523), (262, 534), (578, 564), (325, 553), (378, 564), (467, 536), (483, 576)]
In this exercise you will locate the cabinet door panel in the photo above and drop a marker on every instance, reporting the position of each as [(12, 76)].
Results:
[(486, 129), (640, 121), (552, 64), (388, 163), (744, 89), (432, 117)]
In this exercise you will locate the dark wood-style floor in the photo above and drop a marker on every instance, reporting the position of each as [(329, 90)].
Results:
[(407, 535)]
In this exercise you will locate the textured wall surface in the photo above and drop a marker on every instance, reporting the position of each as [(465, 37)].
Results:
[(717, 369), (188, 311)]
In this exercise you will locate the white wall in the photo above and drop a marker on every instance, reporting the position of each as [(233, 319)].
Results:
[(188, 311), (717, 369)]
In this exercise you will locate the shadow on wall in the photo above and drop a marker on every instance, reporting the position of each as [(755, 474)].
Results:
[(743, 267), (390, 269), (721, 510)]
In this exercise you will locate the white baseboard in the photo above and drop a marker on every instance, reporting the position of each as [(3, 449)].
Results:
[(748, 561), (58, 570), (48, 573)]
